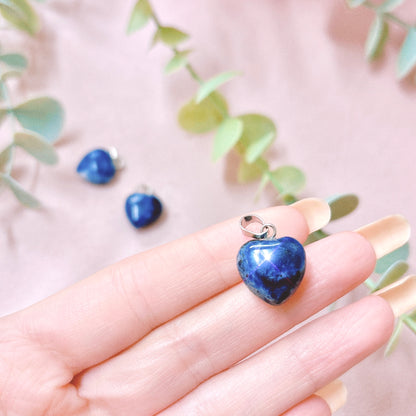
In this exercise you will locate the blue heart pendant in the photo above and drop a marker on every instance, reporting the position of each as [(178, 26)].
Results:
[(143, 209), (97, 167), (271, 268)]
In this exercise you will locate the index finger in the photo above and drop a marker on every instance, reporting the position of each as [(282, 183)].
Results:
[(104, 314)]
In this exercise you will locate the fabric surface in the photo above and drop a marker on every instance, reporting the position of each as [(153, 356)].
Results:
[(348, 124)]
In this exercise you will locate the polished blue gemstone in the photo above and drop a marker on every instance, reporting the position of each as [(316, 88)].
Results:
[(143, 209), (97, 167), (272, 269)]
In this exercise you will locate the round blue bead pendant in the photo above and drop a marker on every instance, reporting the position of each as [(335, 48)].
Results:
[(143, 209), (271, 268), (97, 167)]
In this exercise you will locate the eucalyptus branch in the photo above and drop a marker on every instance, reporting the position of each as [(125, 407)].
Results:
[(10, 148), (251, 135), (387, 15), (40, 119), (379, 33), (175, 50)]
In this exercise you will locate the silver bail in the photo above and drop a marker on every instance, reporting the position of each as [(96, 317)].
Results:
[(115, 157), (264, 231)]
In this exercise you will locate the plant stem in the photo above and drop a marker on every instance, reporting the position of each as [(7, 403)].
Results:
[(388, 16), (188, 66), (214, 99), (191, 70), (370, 284), (9, 106)]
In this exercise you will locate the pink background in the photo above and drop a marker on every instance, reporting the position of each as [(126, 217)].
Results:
[(349, 125)]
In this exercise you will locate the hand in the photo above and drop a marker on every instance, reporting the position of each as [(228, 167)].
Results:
[(164, 332)]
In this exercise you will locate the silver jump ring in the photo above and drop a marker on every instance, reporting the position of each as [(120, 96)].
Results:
[(264, 231), (267, 227)]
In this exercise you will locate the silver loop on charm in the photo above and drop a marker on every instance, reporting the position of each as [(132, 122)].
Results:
[(118, 162), (267, 227), (144, 189), (264, 231)]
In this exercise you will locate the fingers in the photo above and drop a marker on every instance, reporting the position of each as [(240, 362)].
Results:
[(324, 402), (312, 406), (400, 295), (391, 231), (111, 310), (178, 356), (334, 394), (295, 367)]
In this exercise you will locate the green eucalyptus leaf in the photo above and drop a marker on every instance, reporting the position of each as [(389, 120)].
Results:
[(287, 179), (139, 17), (10, 74), (389, 5), (392, 274), (37, 146), (355, 3), (394, 339), (315, 236), (342, 205), (289, 199), (170, 36), (412, 315), (402, 253), (256, 149), (3, 113), (407, 54), (263, 182), (23, 196), (20, 14), (228, 134), (205, 116), (213, 83), (377, 37), (179, 60), (3, 95), (43, 115), (251, 171), (15, 60), (6, 157), (258, 134)]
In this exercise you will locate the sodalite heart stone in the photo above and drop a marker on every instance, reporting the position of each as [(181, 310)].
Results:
[(272, 269), (97, 167), (142, 209)]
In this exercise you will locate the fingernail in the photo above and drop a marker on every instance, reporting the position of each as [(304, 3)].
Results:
[(387, 234), (316, 211), (335, 394), (401, 295)]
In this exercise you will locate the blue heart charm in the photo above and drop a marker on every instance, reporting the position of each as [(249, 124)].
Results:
[(272, 268), (143, 209), (97, 167)]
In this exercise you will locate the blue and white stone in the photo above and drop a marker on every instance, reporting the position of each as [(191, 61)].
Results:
[(97, 167), (143, 209), (272, 269)]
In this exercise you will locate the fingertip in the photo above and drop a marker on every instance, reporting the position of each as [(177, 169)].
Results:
[(312, 406), (378, 317), (400, 295), (386, 234), (334, 394), (316, 212), (357, 254)]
